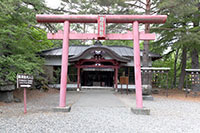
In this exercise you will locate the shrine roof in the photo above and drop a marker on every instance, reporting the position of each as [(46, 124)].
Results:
[(75, 50)]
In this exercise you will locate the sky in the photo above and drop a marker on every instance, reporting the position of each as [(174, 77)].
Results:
[(56, 4), (53, 3)]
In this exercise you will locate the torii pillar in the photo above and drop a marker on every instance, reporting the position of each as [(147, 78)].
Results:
[(64, 69), (135, 35)]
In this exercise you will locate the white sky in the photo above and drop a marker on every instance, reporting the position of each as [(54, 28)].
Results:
[(53, 3), (56, 4)]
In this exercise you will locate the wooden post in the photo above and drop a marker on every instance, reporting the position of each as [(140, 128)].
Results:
[(134, 19), (136, 47), (116, 77), (64, 69), (25, 107), (127, 86), (78, 77)]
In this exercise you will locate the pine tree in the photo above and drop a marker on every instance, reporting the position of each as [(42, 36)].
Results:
[(180, 31), (20, 39)]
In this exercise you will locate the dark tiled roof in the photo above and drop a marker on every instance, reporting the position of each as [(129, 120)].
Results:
[(75, 50), (112, 53)]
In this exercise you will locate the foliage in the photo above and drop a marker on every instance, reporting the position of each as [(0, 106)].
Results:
[(14, 64), (20, 39), (181, 31), (97, 7)]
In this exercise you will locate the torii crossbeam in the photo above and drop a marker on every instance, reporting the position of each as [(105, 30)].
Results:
[(135, 35)]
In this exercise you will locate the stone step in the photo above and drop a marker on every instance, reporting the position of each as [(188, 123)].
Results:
[(96, 88)]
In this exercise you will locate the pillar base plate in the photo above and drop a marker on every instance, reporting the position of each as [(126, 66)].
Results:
[(62, 109), (140, 111), (147, 97)]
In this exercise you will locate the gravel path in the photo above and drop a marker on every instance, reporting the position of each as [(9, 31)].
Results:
[(101, 111)]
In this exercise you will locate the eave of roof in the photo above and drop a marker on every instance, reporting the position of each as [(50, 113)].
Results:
[(107, 49), (74, 50)]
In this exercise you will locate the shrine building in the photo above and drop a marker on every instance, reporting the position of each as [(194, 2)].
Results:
[(93, 65)]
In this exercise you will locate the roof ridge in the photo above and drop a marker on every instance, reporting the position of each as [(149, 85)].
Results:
[(50, 49), (118, 46), (79, 45)]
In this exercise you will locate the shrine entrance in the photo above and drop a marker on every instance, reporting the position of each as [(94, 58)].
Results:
[(101, 20), (98, 66), (100, 77)]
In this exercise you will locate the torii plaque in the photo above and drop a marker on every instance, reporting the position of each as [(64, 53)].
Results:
[(135, 35)]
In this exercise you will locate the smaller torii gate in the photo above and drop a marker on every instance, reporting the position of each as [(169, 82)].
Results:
[(135, 35)]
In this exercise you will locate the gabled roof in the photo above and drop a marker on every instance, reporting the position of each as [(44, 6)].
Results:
[(106, 49), (75, 50)]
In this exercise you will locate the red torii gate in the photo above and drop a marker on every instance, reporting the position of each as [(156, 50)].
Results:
[(135, 35)]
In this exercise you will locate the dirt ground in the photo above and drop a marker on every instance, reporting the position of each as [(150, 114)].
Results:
[(31, 94), (34, 93), (172, 94), (179, 95)]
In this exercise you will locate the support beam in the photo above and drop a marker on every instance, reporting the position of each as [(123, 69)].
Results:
[(135, 35), (92, 36), (42, 18), (116, 77), (136, 47), (78, 77), (102, 66), (95, 60), (64, 69)]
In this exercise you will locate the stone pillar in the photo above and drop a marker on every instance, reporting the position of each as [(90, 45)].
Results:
[(49, 73), (6, 93)]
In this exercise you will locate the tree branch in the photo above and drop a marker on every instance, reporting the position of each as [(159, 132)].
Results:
[(141, 2), (137, 6)]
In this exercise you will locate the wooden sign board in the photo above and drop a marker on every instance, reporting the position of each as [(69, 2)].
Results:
[(101, 26), (24, 81), (123, 80)]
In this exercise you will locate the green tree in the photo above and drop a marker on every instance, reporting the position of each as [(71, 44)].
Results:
[(181, 31), (21, 39)]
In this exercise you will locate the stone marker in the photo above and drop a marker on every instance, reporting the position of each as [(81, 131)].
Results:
[(147, 97), (6, 93)]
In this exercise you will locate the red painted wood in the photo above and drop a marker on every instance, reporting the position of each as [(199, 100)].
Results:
[(136, 36), (78, 77), (92, 36), (25, 105), (101, 27), (101, 66), (137, 67), (99, 61), (41, 18), (116, 77), (64, 68)]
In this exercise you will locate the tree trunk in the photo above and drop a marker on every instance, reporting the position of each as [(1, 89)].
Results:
[(195, 59), (195, 65), (146, 43), (183, 66), (145, 58), (175, 62), (195, 56)]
